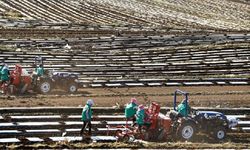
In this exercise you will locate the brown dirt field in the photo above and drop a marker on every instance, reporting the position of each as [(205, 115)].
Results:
[(205, 96), (200, 96)]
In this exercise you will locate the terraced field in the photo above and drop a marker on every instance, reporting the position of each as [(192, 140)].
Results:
[(131, 48), (194, 14)]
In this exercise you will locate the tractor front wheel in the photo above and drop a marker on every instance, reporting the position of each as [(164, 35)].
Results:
[(72, 88), (219, 133)]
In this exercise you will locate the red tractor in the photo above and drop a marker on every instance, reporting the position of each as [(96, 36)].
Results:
[(176, 127)]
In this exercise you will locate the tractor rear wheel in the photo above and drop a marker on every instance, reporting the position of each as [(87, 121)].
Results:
[(44, 87), (186, 131)]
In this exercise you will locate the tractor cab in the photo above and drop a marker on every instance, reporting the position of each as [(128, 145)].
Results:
[(183, 108), (38, 60), (38, 66)]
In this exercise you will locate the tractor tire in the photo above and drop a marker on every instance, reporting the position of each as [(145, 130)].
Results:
[(219, 134), (186, 131), (72, 87), (119, 135), (44, 87), (125, 138)]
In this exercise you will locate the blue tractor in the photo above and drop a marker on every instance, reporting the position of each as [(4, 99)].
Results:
[(212, 123), (67, 81)]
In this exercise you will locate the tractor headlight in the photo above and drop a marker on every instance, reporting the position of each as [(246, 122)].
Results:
[(232, 122)]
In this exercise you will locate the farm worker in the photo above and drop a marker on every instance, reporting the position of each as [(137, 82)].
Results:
[(1, 67), (5, 77), (183, 108), (5, 73), (86, 116), (140, 116), (39, 71), (130, 110)]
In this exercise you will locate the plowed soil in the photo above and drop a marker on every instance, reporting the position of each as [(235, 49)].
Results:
[(200, 96)]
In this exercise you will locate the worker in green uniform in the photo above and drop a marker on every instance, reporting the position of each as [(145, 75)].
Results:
[(40, 71), (183, 108), (5, 78), (37, 73), (5, 74), (86, 116), (140, 116), (130, 110), (1, 67)]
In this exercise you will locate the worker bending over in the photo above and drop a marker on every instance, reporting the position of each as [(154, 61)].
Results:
[(140, 117), (130, 110)]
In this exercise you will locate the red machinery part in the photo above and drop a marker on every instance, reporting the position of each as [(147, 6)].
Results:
[(16, 75), (153, 111)]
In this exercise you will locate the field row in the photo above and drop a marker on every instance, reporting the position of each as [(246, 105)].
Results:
[(135, 57), (171, 14), (27, 128)]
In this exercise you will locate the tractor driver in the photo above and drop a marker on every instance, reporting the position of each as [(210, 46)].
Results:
[(39, 71), (183, 108)]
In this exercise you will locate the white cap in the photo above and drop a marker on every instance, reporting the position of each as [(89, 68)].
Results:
[(90, 102)]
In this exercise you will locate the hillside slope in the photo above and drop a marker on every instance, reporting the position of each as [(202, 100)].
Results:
[(191, 14)]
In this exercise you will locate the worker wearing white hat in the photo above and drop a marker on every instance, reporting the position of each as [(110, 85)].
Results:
[(86, 116)]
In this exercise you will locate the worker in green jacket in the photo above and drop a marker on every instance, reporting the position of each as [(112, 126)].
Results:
[(5, 78), (5, 74), (183, 108), (1, 67), (140, 116), (40, 71), (86, 116), (130, 110)]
